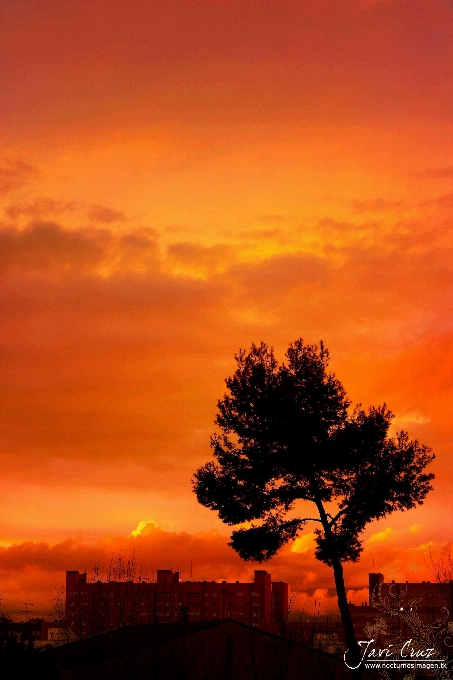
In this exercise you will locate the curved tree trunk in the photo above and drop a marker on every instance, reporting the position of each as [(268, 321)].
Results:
[(354, 655)]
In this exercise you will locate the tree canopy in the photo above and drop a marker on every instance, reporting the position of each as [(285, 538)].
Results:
[(287, 434)]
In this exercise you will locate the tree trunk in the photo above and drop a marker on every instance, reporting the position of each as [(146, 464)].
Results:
[(346, 620), (354, 656)]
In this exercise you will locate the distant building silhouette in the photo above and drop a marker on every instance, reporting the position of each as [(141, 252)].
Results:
[(427, 600), (95, 607), (35, 630)]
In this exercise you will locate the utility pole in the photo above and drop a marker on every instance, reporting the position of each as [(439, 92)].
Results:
[(25, 611)]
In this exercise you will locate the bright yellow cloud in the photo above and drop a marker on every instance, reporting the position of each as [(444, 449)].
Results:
[(141, 525), (381, 536), (304, 543)]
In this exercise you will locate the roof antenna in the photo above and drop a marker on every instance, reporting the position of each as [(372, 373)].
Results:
[(26, 611)]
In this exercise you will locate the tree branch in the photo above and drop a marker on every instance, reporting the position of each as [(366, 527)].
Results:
[(334, 519), (311, 519)]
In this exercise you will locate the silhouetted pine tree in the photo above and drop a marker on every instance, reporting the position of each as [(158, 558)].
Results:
[(288, 435)]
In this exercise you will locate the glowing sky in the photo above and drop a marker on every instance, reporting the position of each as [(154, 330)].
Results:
[(179, 179)]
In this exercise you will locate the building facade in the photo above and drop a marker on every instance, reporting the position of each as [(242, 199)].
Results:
[(95, 607)]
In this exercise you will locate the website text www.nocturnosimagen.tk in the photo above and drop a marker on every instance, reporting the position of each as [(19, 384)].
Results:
[(403, 665)]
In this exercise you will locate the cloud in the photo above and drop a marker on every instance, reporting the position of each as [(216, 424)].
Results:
[(14, 174), (375, 205), (46, 244), (154, 548), (196, 258), (381, 535), (304, 543), (446, 200), (92, 314), (279, 274), (280, 236), (108, 349), (415, 417), (38, 208), (38, 567), (99, 213), (341, 234), (206, 554), (113, 365), (437, 173)]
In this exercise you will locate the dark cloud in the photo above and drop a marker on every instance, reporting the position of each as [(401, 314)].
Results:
[(443, 201), (197, 256), (15, 174), (446, 200), (46, 244), (143, 239), (436, 173), (107, 320), (99, 213), (40, 207), (280, 274)]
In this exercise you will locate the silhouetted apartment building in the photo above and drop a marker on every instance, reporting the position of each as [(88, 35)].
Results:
[(37, 630), (94, 607), (429, 601)]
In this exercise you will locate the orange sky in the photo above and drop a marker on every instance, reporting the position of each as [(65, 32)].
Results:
[(179, 179)]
